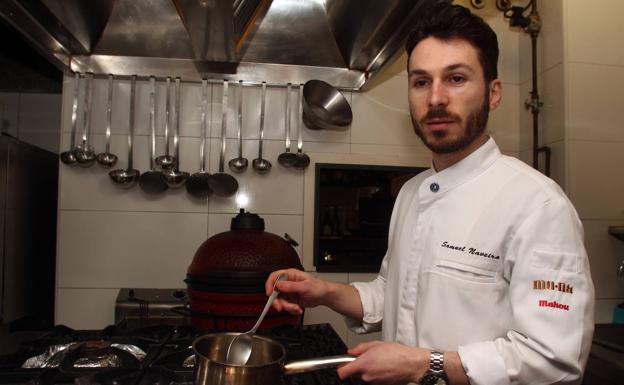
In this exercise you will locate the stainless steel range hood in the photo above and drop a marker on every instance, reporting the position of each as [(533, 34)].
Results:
[(343, 42)]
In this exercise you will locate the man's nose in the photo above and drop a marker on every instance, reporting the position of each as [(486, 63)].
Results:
[(439, 95)]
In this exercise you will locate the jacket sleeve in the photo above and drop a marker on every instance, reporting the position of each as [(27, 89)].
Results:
[(552, 300), (372, 297)]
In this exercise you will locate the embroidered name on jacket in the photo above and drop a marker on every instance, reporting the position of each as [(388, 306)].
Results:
[(541, 284), (469, 250), (555, 304)]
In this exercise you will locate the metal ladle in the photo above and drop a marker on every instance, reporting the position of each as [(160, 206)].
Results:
[(151, 181), (128, 177), (69, 156), (303, 160), (262, 166), (223, 184), (239, 164), (287, 158), (106, 158), (166, 161), (197, 184), (174, 178), (85, 156), (239, 350)]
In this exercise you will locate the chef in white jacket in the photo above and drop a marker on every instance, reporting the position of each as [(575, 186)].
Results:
[(486, 280)]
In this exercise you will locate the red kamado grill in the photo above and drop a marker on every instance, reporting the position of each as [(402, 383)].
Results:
[(226, 279)]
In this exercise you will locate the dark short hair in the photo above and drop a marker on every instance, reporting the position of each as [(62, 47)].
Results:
[(446, 21)]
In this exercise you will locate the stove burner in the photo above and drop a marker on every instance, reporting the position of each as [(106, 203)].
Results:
[(97, 354), (87, 354)]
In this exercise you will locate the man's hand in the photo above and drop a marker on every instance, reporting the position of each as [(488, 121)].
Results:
[(386, 363), (301, 290)]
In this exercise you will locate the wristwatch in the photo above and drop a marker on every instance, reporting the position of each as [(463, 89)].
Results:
[(435, 375)]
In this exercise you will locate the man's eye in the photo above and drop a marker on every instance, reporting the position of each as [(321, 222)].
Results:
[(457, 79), (419, 83)]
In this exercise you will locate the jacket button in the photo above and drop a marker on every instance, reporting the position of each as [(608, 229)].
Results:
[(434, 187)]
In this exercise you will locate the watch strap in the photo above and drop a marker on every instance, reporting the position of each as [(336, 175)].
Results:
[(436, 362)]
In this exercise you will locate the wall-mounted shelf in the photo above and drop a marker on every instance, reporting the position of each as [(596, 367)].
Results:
[(617, 231)]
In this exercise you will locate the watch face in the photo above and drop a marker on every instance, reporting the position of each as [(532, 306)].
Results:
[(434, 379)]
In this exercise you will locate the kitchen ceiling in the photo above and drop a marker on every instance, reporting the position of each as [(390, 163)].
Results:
[(343, 42)]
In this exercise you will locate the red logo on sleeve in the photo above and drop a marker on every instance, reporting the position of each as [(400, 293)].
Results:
[(554, 304)]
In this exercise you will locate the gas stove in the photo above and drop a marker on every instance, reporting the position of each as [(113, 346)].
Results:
[(158, 354)]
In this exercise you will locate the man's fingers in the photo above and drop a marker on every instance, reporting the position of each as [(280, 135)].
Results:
[(347, 370), (362, 347), (283, 305)]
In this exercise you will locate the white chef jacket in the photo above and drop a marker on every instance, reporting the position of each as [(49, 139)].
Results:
[(486, 258)]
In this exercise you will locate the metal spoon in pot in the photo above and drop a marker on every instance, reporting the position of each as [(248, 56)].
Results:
[(69, 156), (239, 164), (239, 350), (85, 156), (303, 160), (223, 184), (262, 166), (128, 177), (151, 181), (174, 178), (106, 159), (287, 158), (166, 161), (197, 184)]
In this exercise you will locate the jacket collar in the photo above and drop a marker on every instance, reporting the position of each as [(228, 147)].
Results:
[(462, 171)]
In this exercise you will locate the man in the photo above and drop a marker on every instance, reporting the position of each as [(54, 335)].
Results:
[(486, 279)]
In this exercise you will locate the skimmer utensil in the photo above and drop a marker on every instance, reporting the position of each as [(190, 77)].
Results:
[(197, 184), (151, 181)]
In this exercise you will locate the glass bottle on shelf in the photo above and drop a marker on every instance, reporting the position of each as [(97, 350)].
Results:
[(326, 223), (335, 221)]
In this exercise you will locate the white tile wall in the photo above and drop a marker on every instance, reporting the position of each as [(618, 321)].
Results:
[(595, 188), (595, 102), (85, 308), (593, 76), (594, 32), (552, 114)]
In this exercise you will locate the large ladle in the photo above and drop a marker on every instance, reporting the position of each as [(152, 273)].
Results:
[(174, 178), (261, 165), (128, 177), (69, 156), (106, 158), (239, 350), (223, 184), (240, 163), (85, 156), (303, 160), (151, 181), (197, 184), (287, 158), (166, 161)]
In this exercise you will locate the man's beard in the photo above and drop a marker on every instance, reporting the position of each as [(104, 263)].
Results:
[(474, 127)]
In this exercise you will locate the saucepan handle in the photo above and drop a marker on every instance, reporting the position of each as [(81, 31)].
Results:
[(319, 363)]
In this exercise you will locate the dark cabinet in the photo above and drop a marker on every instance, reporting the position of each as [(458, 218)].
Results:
[(28, 215)]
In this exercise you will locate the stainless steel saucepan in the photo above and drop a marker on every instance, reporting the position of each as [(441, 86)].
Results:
[(265, 366)]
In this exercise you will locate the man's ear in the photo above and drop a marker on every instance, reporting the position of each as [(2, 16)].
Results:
[(496, 93)]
